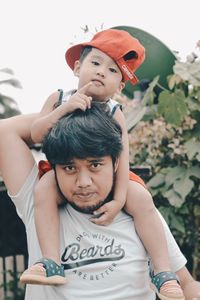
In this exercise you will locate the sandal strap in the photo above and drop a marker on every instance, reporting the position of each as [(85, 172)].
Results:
[(159, 279), (51, 267)]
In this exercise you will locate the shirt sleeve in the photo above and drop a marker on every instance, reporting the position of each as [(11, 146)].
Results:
[(24, 199), (177, 259)]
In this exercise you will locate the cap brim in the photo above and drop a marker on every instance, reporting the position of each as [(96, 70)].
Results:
[(73, 54)]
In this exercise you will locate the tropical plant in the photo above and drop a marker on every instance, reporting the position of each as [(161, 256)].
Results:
[(8, 106), (168, 139)]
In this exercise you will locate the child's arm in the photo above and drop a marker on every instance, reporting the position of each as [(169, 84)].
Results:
[(140, 206), (44, 122), (49, 115), (122, 175), (111, 208), (150, 230)]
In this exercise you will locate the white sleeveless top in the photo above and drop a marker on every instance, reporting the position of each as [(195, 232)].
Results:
[(64, 97)]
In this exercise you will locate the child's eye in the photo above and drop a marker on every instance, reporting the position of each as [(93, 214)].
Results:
[(96, 63), (113, 70)]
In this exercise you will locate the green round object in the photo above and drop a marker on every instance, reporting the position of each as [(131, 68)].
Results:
[(159, 59)]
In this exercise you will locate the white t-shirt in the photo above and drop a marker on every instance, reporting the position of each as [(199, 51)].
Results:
[(101, 262)]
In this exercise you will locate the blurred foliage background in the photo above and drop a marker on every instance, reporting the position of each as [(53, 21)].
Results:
[(165, 135), (8, 106)]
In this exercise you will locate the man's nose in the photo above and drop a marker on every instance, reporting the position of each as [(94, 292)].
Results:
[(84, 179)]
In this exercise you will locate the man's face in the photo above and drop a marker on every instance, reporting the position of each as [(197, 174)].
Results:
[(86, 183)]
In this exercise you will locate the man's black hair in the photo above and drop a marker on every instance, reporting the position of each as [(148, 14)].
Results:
[(82, 134)]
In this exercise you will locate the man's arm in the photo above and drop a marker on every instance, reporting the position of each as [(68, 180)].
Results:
[(191, 288), (16, 160)]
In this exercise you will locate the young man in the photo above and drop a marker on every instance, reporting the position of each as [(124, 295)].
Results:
[(101, 262)]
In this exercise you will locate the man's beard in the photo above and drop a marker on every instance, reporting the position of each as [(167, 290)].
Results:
[(89, 209)]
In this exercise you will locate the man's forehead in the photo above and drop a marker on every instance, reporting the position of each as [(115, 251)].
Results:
[(88, 160)]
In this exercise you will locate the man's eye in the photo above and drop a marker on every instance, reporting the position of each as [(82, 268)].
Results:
[(69, 168), (95, 165)]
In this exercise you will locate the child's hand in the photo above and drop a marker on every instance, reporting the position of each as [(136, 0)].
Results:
[(79, 99), (107, 213)]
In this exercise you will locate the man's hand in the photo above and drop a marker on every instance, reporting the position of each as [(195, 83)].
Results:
[(192, 290), (191, 287)]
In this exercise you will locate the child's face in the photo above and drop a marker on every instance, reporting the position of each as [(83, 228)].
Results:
[(100, 69)]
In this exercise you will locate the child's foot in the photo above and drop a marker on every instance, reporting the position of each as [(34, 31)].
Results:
[(46, 272), (166, 286)]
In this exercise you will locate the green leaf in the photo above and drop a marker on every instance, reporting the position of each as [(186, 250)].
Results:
[(166, 212), (188, 71), (197, 211), (193, 104), (173, 198), (173, 80), (174, 174), (156, 181), (178, 223), (134, 116), (184, 210), (172, 106), (194, 171), (192, 147), (183, 186), (149, 94)]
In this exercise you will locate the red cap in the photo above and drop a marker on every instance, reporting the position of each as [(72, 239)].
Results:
[(116, 44)]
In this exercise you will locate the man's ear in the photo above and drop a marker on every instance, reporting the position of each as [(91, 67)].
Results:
[(76, 70), (116, 165)]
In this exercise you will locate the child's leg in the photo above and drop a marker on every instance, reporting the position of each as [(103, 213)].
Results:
[(48, 270), (149, 227), (46, 201)]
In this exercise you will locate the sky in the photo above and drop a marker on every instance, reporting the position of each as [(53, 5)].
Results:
[(35, 35)]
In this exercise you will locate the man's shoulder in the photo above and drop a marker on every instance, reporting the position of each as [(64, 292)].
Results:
[(138, 190), (23, 200)]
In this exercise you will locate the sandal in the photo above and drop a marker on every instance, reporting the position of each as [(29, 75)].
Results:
[(166, 286), (44, 271)]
